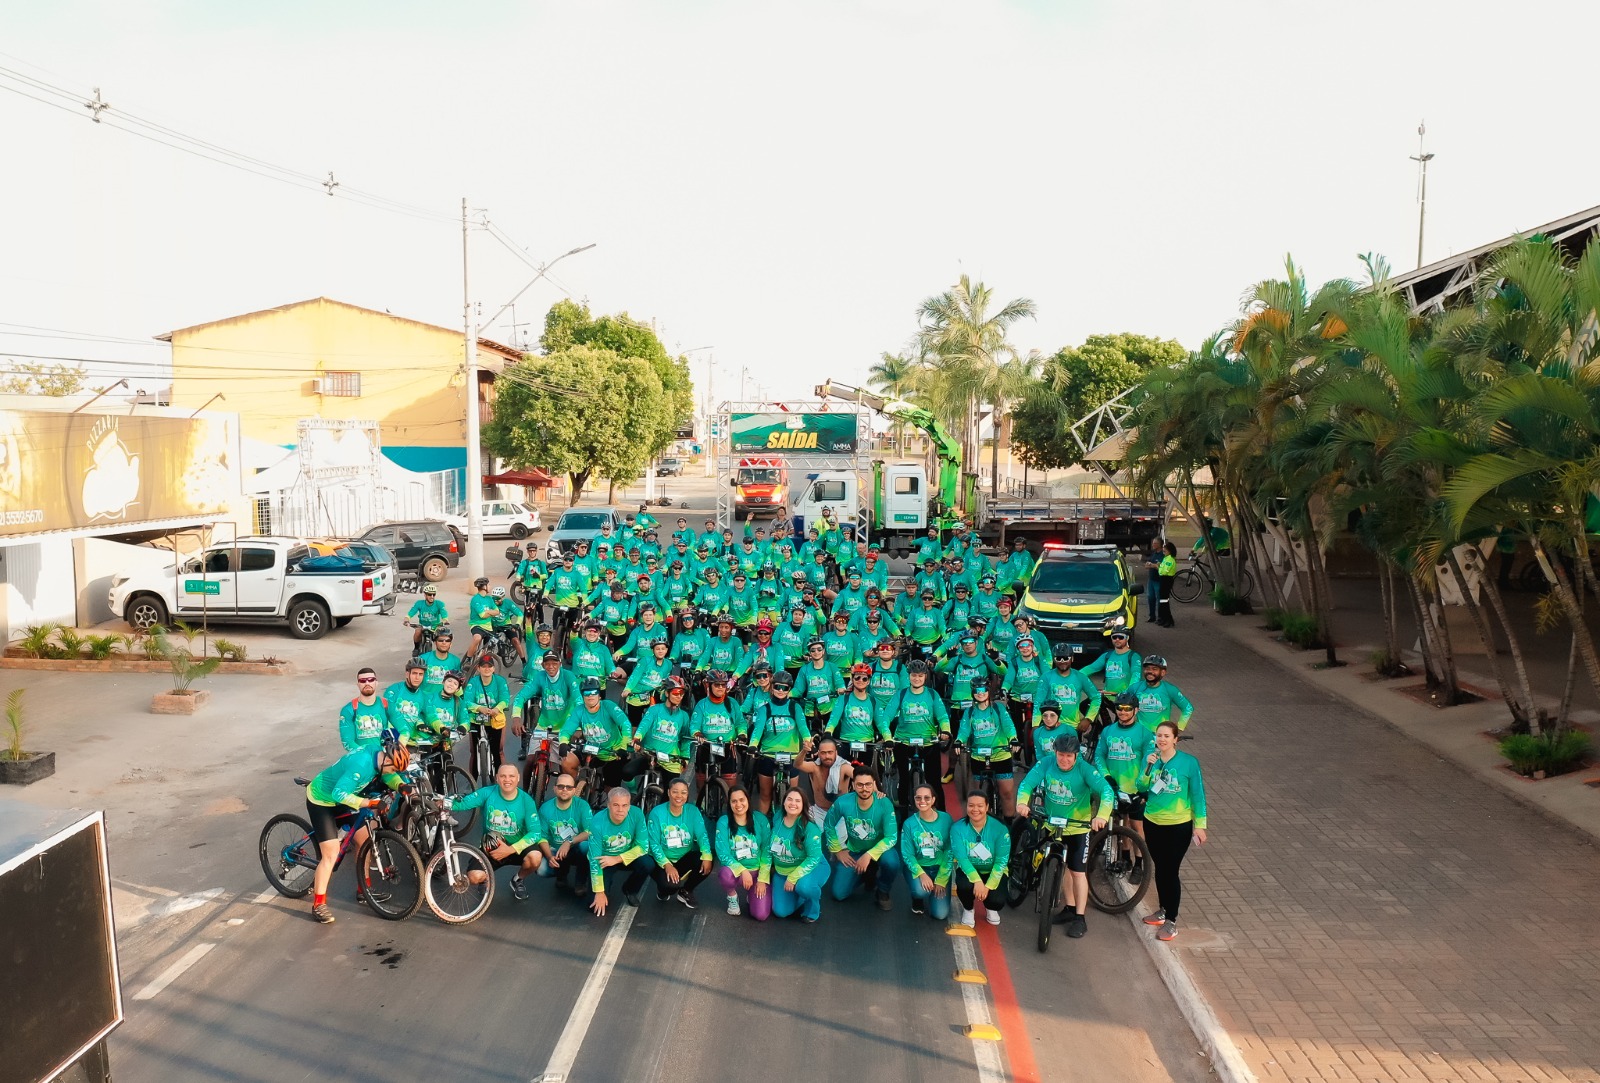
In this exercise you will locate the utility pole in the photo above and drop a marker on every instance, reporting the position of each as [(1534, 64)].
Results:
[(1422, 158), (474, 553)]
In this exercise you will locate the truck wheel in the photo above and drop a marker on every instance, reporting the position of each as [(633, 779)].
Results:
[(146, 611), (434, 569), (519, 531), (308, 620)]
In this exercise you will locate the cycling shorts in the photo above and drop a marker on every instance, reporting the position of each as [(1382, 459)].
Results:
[(514, 861), (483, 630), (1077, 852), (327, 820), (767, 767), (1003, 769)]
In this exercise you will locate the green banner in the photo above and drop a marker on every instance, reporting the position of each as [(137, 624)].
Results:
[(822, 433), (202, 586)]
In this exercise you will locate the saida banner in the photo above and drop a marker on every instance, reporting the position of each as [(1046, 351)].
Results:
[(824, 433), (61, 471)]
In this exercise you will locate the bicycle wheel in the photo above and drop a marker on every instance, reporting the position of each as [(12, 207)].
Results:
[(712, 800), (1110, 890), (1186, 586), (288, 854), (389, 872), (456, 900), (519, 594), (1045, 902), (458, 783), (539, 779), (1247, 584), (483, 760), (650, 798), (1024, 864)]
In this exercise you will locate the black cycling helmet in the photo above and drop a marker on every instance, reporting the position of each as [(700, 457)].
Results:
[(918, 666), (1067, 742), (1155, 660), (782, 682), (717, 676), (454, 675), (978, 621), (543, 627), (761, 669), (1128, 699), (480, 582), (415, 663), (591, 686), (1050, 705)]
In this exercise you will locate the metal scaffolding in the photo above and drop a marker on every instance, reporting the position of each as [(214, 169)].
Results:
[(799, 465)]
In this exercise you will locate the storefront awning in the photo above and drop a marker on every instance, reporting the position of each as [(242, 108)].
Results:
[(528, 479)]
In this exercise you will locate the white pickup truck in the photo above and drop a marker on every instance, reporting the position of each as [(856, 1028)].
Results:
[(255, 580)]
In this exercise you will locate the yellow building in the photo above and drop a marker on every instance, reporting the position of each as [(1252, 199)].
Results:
[(327, 359)]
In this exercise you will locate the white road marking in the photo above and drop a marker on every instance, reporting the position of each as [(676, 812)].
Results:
[(266, 896), (174, 972), (182, 903), (987, 1054), (572, 1035)]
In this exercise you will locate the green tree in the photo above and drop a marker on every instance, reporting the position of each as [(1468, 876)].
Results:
[(894, 375), (580, 411), (34, 378), (963, 335)]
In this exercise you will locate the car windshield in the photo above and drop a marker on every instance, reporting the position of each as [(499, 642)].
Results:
[(762, 476), (1076, 577), (582, 520)]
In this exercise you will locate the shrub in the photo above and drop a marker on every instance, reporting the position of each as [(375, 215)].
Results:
[(1386, 664), (103, 647), (1301, 630), (231, 651), (1552, 753), (186, 668), (1274, 617), (71, 641), (37, 640), (1228, 602), (16, 724)]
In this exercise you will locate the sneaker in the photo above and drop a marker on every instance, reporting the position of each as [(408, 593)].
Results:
[(808, 919), (1157, 918), (992, 915), (322, 914), (1077, 926), (1064, 915), (916, 905), (519, 890), (1168, 931), (884, 901), (1136, 874), (632, 897), (733, 905), (948, 777), (687, 900), (661, 896), (969, 918)]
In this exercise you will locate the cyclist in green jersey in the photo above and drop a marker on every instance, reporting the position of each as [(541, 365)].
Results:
[(873, 626), (964, 669), (362, 720), (818, 684), (345, 785), (508, 620), (566, 834), (1120, 754), (619, 850), (986, 599), (860, 834), (664, 730), (1120, 667), (680, 846), (857, 719), (888, 678), (597, 728), (853, 598), (987, 731), (842, 646), (1017, 566), (689, 644), (875, 570), (793, 634), (1159, 699), (793, 864), (441, 713), (743, 838), (762, 651), (531, 572), (759, 691), (550, 689), (426, 612), (512, 830), (778, 728), (724, 651), (720, 722), (925, 852), (482, 609), (1045, 733), (1070, 688), (406, 699), (590, 657), (929, 548), (486, 699), (980, 846), (1024, 670), (1066, 786), (712, 596), (743, 604), (646, 678), (439, 661), (615, 613), (1174, 816), (1002, 634)]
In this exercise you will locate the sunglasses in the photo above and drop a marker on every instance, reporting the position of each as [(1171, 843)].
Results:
[(861, 678), (366, 680), (561, 786)]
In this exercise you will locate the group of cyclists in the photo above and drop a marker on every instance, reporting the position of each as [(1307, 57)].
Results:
[(779, 715)]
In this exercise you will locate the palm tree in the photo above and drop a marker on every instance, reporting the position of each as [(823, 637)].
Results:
[(893, 375), (966, 344)]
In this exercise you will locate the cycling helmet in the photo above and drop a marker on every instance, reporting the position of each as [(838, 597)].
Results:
[(1050, 705), (761, 669), (764, 625), (927, 592), (1128, 699), (815, 644), (593, 626), (591, 686), (962, 587), (498, 592), (918, 666), (855, 573), (1067, 742), (647, 607), (480, 582), (1155, 660), (967, 637), (782, 682), (873, 616), (841, 616), (673, 684), (717, 676), (861, 669), (543, 627), (688, 616), (885, 645), (978, 621), (399, 756), (533, 545), (430, 589), (551, 656), (454, 675), (724, 619), (415, 663)]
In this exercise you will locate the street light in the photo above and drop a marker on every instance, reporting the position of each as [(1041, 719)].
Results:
[(544, 268)]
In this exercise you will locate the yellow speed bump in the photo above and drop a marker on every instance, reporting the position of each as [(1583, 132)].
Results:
[(983, 1032), (959, 930), (971, 977)]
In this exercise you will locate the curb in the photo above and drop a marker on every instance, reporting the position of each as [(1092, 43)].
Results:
[(132, 665), (1226, 1060)]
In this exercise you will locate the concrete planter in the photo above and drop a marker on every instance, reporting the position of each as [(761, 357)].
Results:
[(31, 768), (124, 664), (179, 702)]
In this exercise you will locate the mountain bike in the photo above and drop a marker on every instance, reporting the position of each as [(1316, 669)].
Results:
[(537, 768), (446, 776), (1038, 862), (1198, 578), (591, 783), (483, 767), (652, 785), (1113, 852), (984, 780), (389, 870), (452, 894), (711, 797), (424, 644)]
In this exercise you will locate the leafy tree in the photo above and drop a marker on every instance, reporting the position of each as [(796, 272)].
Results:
[(579, 410), (894, 375), (34, 378)]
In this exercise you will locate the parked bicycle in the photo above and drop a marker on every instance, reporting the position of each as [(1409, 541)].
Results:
[(389, 869), (458, 881), (1198, 578), (1038, 862), (1114, 852)]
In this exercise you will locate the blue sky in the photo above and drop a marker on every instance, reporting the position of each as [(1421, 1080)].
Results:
[(783, 182)]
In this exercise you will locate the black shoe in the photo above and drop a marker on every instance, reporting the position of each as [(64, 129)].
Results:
[(1077, 926), (688, 900), (662, 896), (916, 905), (1063, 916), (519, 890), (632, 897), (1136, 874)]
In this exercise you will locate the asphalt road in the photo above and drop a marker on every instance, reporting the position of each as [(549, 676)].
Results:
[(225, 981)]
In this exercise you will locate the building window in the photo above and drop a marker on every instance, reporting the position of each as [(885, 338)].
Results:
[(263, 517), (344, 384)]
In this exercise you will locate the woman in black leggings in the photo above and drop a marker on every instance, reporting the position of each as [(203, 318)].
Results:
[(1174, 816)]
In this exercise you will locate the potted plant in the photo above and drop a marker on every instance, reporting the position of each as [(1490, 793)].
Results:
[(18, 767), (186, 669)]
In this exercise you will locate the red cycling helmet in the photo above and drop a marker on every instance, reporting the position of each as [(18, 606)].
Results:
[(861, 669)]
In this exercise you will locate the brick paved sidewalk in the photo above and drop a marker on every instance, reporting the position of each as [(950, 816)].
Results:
[(1367, 910)]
